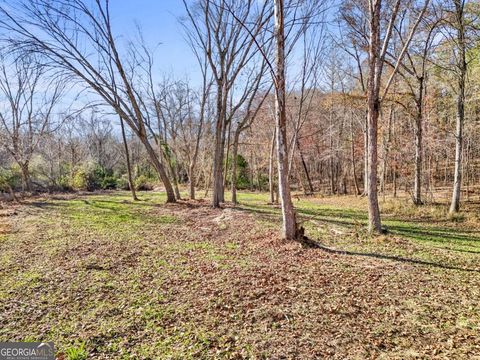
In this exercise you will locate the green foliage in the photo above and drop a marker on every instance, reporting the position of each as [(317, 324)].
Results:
[(77, 352), (262, 182), (147, 170), (91, 177), (143, 183), (122, 183), (9, 179), (79, 180), (65, 182), (109, 182), (243, 181)]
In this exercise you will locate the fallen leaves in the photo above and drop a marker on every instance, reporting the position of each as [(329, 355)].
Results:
[(189, 288)]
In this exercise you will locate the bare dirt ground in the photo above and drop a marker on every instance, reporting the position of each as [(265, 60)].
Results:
[(106, 278)]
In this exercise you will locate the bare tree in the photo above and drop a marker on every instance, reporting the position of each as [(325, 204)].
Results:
[(29, 109), (413, 70), (226, 30), (64, 33), (253, 102), (377, 50)]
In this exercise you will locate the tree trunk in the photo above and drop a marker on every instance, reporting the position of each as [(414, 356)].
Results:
[(271, 169), (225, 175), (25, 169), (373, 208), (131, 185), (365, 156), (218, 187), (467, 168), (373, 107), (234, 166), (352, 153), (299, 177), (395, 181), (417, 190), (12, 193), (462, 68), (288, 213), (386, 150), (160, 170), (167, 153), (191, 179), (304, 165), (208, 181)]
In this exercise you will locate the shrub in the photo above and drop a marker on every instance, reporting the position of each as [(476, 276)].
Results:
[(91, 177), (9, 179), (143, 183), (109, 182), (86, 177), (80, 180), (243, 181), (122, 183), (65, 183)]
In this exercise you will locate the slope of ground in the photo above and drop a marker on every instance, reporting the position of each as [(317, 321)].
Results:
[(107, 278)]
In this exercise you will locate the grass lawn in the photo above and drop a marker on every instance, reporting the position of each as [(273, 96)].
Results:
[(107, 278)]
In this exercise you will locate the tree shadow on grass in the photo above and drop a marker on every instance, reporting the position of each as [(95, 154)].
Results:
[(434, 234), (44, 204), (351, 218), (392, 258)]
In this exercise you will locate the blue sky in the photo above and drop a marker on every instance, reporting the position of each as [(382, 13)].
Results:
[(158, 19), (159, 22)]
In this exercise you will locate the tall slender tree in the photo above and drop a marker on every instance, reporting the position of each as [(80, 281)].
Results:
[(461, 72)]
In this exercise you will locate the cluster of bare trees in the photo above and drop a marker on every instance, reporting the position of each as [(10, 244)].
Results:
[(359, 97)]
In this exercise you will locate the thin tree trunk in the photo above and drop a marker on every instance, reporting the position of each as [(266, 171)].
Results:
[(192, 179), (352, 153), (127, 158), (225, 175), (331, 163), (417, 190), (299, 177), (462, 68), (445, 170), (234, 166), (365, 157), (467, 168), (386, 151), (219, 149), (373, 208), (395, 181), (12, 194), (288, 213), (271, 168), (208, 181), (304, 166)]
